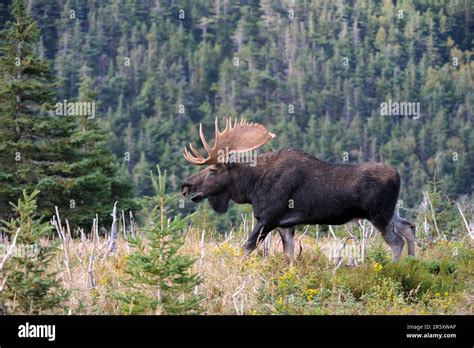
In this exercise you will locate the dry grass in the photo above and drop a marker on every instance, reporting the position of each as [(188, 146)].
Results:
[(263, 284)]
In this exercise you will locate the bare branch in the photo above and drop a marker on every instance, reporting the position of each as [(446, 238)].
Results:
[(10, 251), (113, 231), (470, 231)]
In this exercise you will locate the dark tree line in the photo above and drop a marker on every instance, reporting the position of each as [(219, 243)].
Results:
[(314, 72)]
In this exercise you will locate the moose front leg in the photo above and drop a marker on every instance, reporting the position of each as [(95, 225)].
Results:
[(257, 235)]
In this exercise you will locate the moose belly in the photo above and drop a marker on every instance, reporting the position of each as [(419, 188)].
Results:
[(321, 217)]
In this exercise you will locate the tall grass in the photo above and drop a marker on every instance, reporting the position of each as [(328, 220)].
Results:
[(439, 281)]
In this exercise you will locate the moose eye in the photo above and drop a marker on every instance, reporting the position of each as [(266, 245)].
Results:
[(213, 170)]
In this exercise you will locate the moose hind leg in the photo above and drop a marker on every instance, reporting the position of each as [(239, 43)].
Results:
[(287, 234), (392, 237), (407, 230)]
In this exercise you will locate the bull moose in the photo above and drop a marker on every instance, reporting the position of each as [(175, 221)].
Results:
[(290, 187)]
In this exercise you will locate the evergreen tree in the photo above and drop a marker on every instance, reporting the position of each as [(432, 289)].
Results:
[(64, 156), (331, 61), (100, 179), (30, 286), (32, 140), (158, 279)]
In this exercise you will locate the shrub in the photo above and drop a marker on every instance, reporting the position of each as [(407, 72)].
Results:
[(157, 278), (30, 286), (425, 277), (358, 281), (379, 254), (387, 293), (434, 267)]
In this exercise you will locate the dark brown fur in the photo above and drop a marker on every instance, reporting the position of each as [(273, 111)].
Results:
[(290, 187)]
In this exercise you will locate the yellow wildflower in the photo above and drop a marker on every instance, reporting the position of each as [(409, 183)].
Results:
[(310, 293), (377, 267)]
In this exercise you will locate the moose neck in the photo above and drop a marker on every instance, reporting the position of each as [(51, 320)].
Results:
[(243, 180)]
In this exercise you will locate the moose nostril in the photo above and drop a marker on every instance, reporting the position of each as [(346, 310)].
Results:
[(185, 190)]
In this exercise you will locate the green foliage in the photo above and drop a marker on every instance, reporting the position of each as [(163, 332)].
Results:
[(160, 280), (434, 267), (378, 286), (440, 207), (282, 62), (421, 277), (379, 254), (410, 278), (65, 157), (31, 286), (385, 293), (151, 63), (412, 274)]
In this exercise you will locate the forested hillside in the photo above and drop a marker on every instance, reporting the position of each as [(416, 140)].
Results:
[(314, 72), (99, 98)]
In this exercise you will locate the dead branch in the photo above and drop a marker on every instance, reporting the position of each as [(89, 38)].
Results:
[(469, 230), (113, 231), (10, 251), (56, 222), (427, 196), (91, 259)]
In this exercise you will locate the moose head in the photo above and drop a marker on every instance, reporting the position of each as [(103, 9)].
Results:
[(215, 181)]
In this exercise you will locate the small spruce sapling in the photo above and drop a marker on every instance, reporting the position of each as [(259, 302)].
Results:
[(158, 279), (30, 285)]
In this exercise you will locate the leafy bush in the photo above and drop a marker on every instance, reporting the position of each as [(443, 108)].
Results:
[(434, 266), (358, 281), (425, 277), (412, 274)]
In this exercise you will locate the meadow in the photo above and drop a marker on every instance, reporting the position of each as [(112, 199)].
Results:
[(323, 279), (166, 263)]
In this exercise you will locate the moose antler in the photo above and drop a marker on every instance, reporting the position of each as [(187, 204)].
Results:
[(240, 137)]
